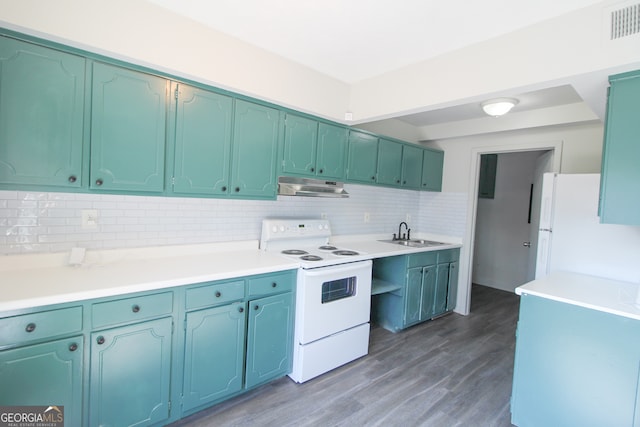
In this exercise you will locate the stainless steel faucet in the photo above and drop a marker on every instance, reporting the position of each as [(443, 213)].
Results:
[(401, 236)]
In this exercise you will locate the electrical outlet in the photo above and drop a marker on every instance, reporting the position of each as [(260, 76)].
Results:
[(323, 215), (367, 217), (89, 219)]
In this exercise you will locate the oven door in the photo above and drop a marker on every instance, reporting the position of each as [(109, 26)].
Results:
[(332, 299)]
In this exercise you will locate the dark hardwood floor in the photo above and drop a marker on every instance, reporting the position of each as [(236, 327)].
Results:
[(452, 371)]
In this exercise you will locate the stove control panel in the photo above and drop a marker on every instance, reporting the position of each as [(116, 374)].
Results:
[(293, 229)]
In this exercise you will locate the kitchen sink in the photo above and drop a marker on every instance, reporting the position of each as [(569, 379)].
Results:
[(417, 243)]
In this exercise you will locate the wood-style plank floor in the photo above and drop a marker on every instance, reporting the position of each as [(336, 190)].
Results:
[(452, 371)]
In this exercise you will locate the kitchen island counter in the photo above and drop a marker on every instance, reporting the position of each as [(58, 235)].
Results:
[(610, 296)]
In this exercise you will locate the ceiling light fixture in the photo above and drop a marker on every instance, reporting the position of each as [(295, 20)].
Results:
[(498, 107)]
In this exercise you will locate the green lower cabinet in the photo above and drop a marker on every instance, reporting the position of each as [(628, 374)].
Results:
[(575, 367), (428, 283), (41, 116), (47, 374), (269, 338), (130, 374), (213, 354)]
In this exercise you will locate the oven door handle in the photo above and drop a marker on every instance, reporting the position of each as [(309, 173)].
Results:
[(339, 269)]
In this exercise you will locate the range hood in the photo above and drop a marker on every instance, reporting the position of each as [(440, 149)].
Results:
[(290, 186)]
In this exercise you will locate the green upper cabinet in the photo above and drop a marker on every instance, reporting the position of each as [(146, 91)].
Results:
[(313, 149), (488, 168), (432, 167), (389, 163), (128, 118), (300, 145), (202, 144), (41, 115), (363, 157), (412, 158), (619, 203), (256, 133), (332, 151)]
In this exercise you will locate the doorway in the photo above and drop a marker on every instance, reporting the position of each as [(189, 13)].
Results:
[(508, 209), (554, 149)]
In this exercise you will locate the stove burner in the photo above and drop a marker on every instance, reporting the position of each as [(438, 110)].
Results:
[(294, 252), (344, 252), (311, 258), (327, 248)]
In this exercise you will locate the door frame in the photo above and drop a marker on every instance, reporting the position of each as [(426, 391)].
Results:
[(466, 256)]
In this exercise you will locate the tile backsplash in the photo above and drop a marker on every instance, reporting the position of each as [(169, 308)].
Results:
[(34, 222)]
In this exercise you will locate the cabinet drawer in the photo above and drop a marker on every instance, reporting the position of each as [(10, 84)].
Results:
[(272, 283), (131, 309), (448, 255), (214, 294), (422, 258), (36, 326)]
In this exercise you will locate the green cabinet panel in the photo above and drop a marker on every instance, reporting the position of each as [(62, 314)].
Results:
[(574, 366), (128, 118), (256, 133), (487, 184), (413, 297), (429, 283), (412, 159), (17, 330), (130, 374), (48, 374), (269, 338), (619, 201), (300, 146), (362, 161), (214, 354), (332, 151), (389, 163), (202, 146), (432, 167), (41, 115)]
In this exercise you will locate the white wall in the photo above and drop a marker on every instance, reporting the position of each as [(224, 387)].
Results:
[(142, 33), (551, 53), (500, 260)]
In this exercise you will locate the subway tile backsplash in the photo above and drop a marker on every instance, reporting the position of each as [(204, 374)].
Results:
[(34, 222)]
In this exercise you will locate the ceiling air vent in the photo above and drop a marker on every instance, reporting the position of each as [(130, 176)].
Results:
[(625, 21)]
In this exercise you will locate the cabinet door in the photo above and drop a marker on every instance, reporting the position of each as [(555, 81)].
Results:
[(429, 275), (202, 141), (128, 116), (412, 159), (269, 338), (452, 292), (432, 163), (332, 151), (255, 146), (363, 157), (130, 374), (41, 115), (389, 163), (214, 354), (44, 374), (619, 201), (442, 289), (300, 144), (413, 296)]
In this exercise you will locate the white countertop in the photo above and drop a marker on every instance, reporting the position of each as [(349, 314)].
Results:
[(44, 279), (610, 296)]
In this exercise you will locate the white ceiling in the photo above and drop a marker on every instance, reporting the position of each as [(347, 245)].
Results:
[(352, 40)]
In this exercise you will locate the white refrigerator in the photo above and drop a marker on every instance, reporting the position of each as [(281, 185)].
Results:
[(571, 238)]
